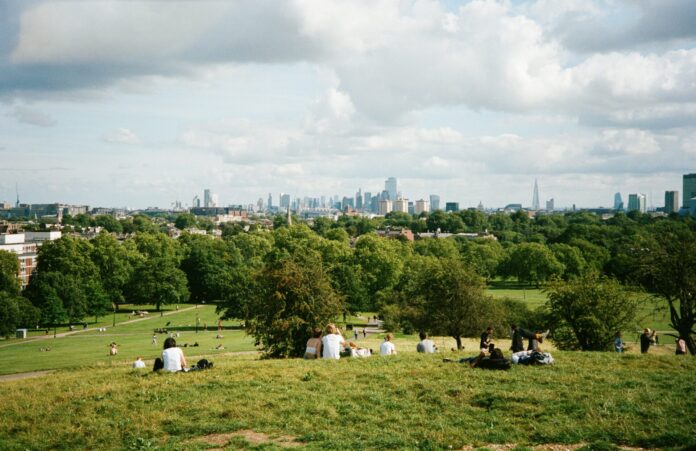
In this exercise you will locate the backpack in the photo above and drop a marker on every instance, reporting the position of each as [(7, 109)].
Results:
[(204, 364)]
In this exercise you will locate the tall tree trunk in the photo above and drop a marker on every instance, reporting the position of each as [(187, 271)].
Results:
[(458, 339)]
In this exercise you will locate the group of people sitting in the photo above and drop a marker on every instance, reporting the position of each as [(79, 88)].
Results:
[(491, 357), (330, 344)]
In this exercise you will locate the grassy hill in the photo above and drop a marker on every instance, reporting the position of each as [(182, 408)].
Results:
[(408, 401)]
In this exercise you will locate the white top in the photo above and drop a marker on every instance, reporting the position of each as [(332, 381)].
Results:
[(138, 364), (172, 359), (331, 346), (387, 348)]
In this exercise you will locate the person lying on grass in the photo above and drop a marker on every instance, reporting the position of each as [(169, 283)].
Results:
[(495, 360)]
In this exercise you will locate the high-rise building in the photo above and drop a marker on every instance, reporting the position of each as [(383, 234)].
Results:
[(618, 202), (270, 201), (452, 206), (637, 202), (196, 203), (434, 202), (207, 198), (689, 189), (367, 201), (359, 199), (284, 201), (401, 205), (549, 205), (422, 206), (390, 187), (385, 206), (671, 201), (535, 197)]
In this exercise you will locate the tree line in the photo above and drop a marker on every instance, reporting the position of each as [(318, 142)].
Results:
[(286, 281)]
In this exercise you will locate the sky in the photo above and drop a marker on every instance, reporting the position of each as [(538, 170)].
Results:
[(136, 104)]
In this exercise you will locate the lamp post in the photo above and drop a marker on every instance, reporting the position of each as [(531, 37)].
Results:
[(114, 322)]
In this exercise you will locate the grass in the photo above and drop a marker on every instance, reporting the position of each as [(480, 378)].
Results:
[(134, 339), (408, 401)]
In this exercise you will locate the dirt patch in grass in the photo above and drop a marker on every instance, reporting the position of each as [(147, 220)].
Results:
[(253, 437)]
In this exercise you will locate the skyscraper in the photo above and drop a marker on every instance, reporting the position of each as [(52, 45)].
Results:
[(434, 202), (400, 205), (452, 206), (671, 201), (207, 198), (421, 206), (689, 188), (390, 187), (270, 201), (358, 199), (549, 205), (637, 202), (367, 201), (535, 197), (618, 202), (196, 203), (385, 206), (284, 201)]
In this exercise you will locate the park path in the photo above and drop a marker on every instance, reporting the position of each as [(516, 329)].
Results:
[(18, 376), (79, 331)]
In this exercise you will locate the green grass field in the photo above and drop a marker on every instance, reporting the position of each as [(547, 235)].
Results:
[(408, 401)]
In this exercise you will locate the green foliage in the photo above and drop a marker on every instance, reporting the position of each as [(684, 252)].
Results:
[(586, 312), (670, 270), (531, 263), (290, 298), (445, 297), (15, 311), (571, 258), (9, 268), (114, 262), (381, 262), (185, 221), (108, 222)]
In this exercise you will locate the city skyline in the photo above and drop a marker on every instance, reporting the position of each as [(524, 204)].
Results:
[(469, 100)]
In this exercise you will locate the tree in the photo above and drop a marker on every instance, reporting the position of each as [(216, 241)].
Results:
[(185, 221), (670, 270), (15, 311), (291, 298), (109, 223), (381, 264), (571, 259), (531, 263), (484, 255), (9, 268), (114, 261), (586, 312), (446, 297)]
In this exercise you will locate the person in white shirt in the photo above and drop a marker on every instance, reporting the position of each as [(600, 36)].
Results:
[(387, 347), (332, 343), (139, 363), (173, 357), (425, 346)]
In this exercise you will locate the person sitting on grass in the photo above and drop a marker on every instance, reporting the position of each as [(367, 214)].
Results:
[(173, 359), (387, 347), (517, 336), (645, 341), (486, 337), (425, 346), (139, 363), (618, 343), (681, 346), (332, 343), (313, 349)]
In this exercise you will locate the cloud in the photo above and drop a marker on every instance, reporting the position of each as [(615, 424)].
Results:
[(31, 116), (122, 136)]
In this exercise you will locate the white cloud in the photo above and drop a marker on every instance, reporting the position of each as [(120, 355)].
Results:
[(122, 136), (27, 115)]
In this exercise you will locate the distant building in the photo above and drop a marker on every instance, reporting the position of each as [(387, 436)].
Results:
[(671, 201), (513, 207), (25, 246), (390, 188), (207, 199), (618, 202), (637, 202), (359, 199), (284, 201), (452, 206), (385, 206), (549, 205), (421, 206), (689, 189), (270, 201), (434, 202), (401, 205), (367, 201), (535, 196)]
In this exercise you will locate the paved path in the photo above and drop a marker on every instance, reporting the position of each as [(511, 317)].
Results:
[(79, 331), (18, 376)]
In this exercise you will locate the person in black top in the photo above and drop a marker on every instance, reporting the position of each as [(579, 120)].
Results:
[(645, 341), (486, 339), (517, 336)]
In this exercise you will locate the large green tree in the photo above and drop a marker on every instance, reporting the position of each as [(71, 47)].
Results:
[(669, 269), (9, 268), (291, 296), (586, 312), (531, 263), (444, 296)]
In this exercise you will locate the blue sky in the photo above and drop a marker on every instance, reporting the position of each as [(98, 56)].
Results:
[(143, 103)]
